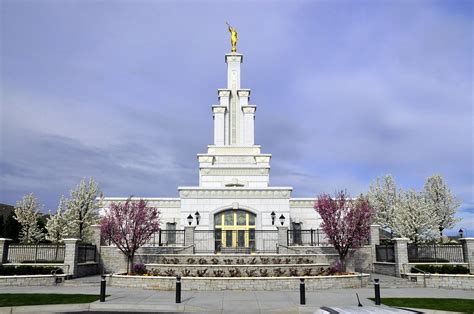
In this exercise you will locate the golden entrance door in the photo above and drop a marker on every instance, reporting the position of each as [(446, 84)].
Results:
[(235, 229)]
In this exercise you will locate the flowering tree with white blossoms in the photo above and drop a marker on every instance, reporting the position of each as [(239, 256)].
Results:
[(82, 209), (413, 217), (444, 204), (27, 214), (382, 196), (57, 224)]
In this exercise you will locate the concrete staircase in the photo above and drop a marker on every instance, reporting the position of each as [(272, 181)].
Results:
[(89, 281)]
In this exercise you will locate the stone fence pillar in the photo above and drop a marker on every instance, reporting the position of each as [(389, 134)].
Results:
[(282, 235), (468, 252), (374, 241), (401, 255), (4, 250), (189, 235), (97, 241), (71, 255)]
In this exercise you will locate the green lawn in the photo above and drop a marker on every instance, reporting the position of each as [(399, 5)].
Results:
[(455, 305), (20, 299)]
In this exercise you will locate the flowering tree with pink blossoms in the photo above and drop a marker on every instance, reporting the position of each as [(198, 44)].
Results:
[(346, 222), (129, 225)]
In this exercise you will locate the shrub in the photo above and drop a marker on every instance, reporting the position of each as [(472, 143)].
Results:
[(263, 272), (228, 261), (186, 272), (170, 272), (191, 260), (139, 269), (253, 261), (250, 272), (202, 261), (28, 270), (279, 272), (441, 269), (293, 271), (218, 273), (287, 260), (265, 260), (234, 272), (214, 261), (201, 272), (240, 261), (276, 260)]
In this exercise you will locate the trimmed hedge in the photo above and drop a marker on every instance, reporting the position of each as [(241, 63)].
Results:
[(441, 269), (28, 270)]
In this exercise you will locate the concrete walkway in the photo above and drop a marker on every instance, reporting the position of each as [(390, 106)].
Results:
[(128, 299)]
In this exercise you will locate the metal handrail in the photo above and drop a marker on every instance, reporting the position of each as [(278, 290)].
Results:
[(425, 274)]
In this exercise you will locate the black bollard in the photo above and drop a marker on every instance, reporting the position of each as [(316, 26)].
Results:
[(377, 291), (302, 292), (102, 289), (178, 289)]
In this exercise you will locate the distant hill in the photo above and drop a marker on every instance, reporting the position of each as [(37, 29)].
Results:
[(5, 210)]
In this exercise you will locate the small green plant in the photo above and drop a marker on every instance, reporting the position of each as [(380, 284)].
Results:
[(235, 272), (263, 272), (191, 260), (253, 261), (201, 272), (202, 261), (240, 261), (251, 272), (228, 261), (307, 271), (175, 260), (293, 271), (170, 272), (165, 260), (287, 260), (186, 272), (214, 261), (218, 273), (279, 272), (299, 260), (276, 260), (265, 260), (154, 272)]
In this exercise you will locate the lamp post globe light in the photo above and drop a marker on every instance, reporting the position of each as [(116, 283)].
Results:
[(190, 219), (282, 219), (198, 217), (273, 215)]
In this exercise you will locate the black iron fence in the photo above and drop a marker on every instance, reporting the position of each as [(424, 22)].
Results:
[(235, 241), (87, 253), (310, 237), (435, 253), (167, 238), (36, 253), (385, 253)]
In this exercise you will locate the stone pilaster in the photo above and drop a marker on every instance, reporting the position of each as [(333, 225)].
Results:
[(282, 235), (401, 255), (97, 241), (189, 235), (374, 240), (468, 252), (71, 256), (4, 250)]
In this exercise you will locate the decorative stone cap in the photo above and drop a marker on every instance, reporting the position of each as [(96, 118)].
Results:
[(234, 57), (71, 240), (5, 239)]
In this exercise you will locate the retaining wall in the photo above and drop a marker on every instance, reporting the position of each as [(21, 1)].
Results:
[(244, 284), (30, 280), (464, 282), (384, 268)]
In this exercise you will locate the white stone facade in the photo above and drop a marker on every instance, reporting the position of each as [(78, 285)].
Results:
[(234, 173)]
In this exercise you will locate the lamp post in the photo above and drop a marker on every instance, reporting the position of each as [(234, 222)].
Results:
[(282, 219), (461, 233), (190, 219), (198, 217), (273, 215)]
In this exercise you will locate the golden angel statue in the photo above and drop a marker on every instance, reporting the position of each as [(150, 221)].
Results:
[(233, 37)]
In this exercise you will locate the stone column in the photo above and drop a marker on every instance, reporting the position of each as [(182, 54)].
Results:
[(97, 241), (374, 241), (71, 256), (4, 250), (401, 255), (219, 124), (468, 252), (282, 235), (189, 235)]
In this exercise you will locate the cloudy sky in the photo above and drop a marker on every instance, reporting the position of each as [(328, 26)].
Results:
[(346, 91)]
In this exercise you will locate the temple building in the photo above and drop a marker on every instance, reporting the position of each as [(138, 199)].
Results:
[(234, 201)]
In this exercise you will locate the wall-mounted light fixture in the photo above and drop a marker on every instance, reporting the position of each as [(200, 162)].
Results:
[(273, 217), (198, 217), (461, 233), (190, 219), (282, 219)]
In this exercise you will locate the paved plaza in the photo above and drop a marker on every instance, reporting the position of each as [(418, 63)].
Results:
[(128, 299)]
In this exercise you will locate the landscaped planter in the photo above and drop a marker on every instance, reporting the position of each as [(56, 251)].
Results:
[(241, 283), (31, 280)]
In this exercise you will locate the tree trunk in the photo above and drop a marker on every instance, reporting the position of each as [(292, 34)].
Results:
[(342, 260)]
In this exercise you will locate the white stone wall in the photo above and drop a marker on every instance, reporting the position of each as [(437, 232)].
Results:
[(302, 210)]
